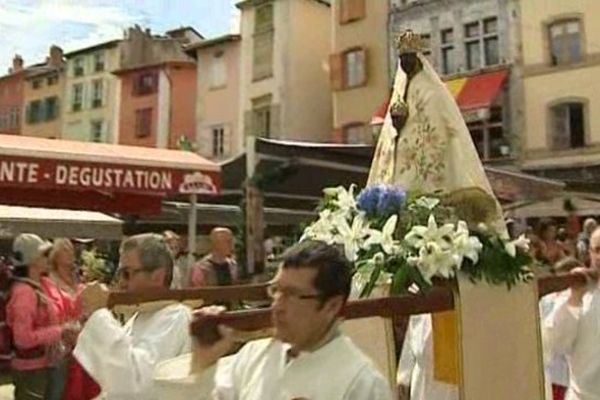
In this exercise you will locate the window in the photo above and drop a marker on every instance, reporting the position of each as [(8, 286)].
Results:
[(473, 45), (218, 71), (14, 117), (34, 112), (99, 62), (447, 41), (567, 126), (218, 141), (354, 133), (481, 45), (36, 83), (426, 38), (261, 113), (145, 83), (351, 10), (490, 41), (78, 66), (97, 86), (143, 122), (52, 80), (96, 131), (264, 34), (77, 97), (488, 134), (565, 42), (354, 68), (51, 108)]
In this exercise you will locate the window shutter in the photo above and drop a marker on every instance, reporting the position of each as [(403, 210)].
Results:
[(345, 6), (560, 127), (336, 71), (365, 66), (227, 140), (357, 9)]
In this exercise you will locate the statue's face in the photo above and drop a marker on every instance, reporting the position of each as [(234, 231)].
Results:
[(410, 63)]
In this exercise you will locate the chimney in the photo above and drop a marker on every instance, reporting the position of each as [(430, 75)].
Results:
[(17, 63), (56, 56)]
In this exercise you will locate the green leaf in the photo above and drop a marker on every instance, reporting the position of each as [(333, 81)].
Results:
[(401, 280), (372, 281)]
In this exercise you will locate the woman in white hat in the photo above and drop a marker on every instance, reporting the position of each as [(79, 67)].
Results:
[(32, 319)]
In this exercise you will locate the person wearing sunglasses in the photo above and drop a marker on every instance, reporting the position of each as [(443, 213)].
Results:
[(308, 357), (121, 359)]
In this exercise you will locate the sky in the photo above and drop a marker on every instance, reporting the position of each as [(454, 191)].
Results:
[(30, 27)]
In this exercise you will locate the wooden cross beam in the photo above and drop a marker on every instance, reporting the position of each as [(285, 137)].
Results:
[(437, 299)]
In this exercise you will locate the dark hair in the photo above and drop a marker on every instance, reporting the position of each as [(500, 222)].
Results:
[(334, 272), (543, 225)]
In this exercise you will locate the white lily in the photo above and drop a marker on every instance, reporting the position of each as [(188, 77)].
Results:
[(352, 236), (427, 202), (466, 246), (434, 260), (420, 235), (522, 242), (385, 237), (345, 199)]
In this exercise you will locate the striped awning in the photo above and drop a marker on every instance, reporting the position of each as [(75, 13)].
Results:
[(472, 94)]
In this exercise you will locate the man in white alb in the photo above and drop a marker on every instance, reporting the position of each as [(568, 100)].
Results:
[(308, 358), (573, 329), (120, 358)]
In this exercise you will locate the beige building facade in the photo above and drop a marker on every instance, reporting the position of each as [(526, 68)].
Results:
[(358, 66), (43, 97), (218, 135), (284, 82), (91, 94), (561, 63)]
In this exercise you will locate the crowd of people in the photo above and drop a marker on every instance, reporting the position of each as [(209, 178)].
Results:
[(68, 345), (44, 309)]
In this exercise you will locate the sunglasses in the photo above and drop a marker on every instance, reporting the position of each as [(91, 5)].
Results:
[(128, 273)]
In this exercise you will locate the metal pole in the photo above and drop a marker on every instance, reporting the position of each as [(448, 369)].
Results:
[(192, 221)]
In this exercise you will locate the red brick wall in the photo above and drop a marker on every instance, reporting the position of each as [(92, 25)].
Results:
[(12, 95)]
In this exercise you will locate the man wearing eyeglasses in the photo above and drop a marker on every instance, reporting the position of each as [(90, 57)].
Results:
[(121, 359), (308, 357)]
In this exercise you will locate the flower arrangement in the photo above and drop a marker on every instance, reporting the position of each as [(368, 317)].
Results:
[(408, 238)]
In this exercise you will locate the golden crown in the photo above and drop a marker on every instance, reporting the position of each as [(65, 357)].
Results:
[(410, 42)]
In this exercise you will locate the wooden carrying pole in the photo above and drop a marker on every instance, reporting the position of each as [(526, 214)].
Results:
[(438, 299)]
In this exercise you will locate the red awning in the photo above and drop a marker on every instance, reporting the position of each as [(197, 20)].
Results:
[(480, 91), (100, 177), (381, 112)]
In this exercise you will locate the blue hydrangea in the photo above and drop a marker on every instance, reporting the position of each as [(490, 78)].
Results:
[(381, 200)]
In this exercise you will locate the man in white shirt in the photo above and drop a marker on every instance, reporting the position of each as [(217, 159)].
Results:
[(415, 369), (573, 329), (121, 359), (308, 358)]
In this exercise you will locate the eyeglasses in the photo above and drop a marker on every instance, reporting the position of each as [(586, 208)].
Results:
[(274, 291), (128, 273)]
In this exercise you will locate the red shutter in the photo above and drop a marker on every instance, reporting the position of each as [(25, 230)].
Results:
[(336, 71), (357, 10)]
